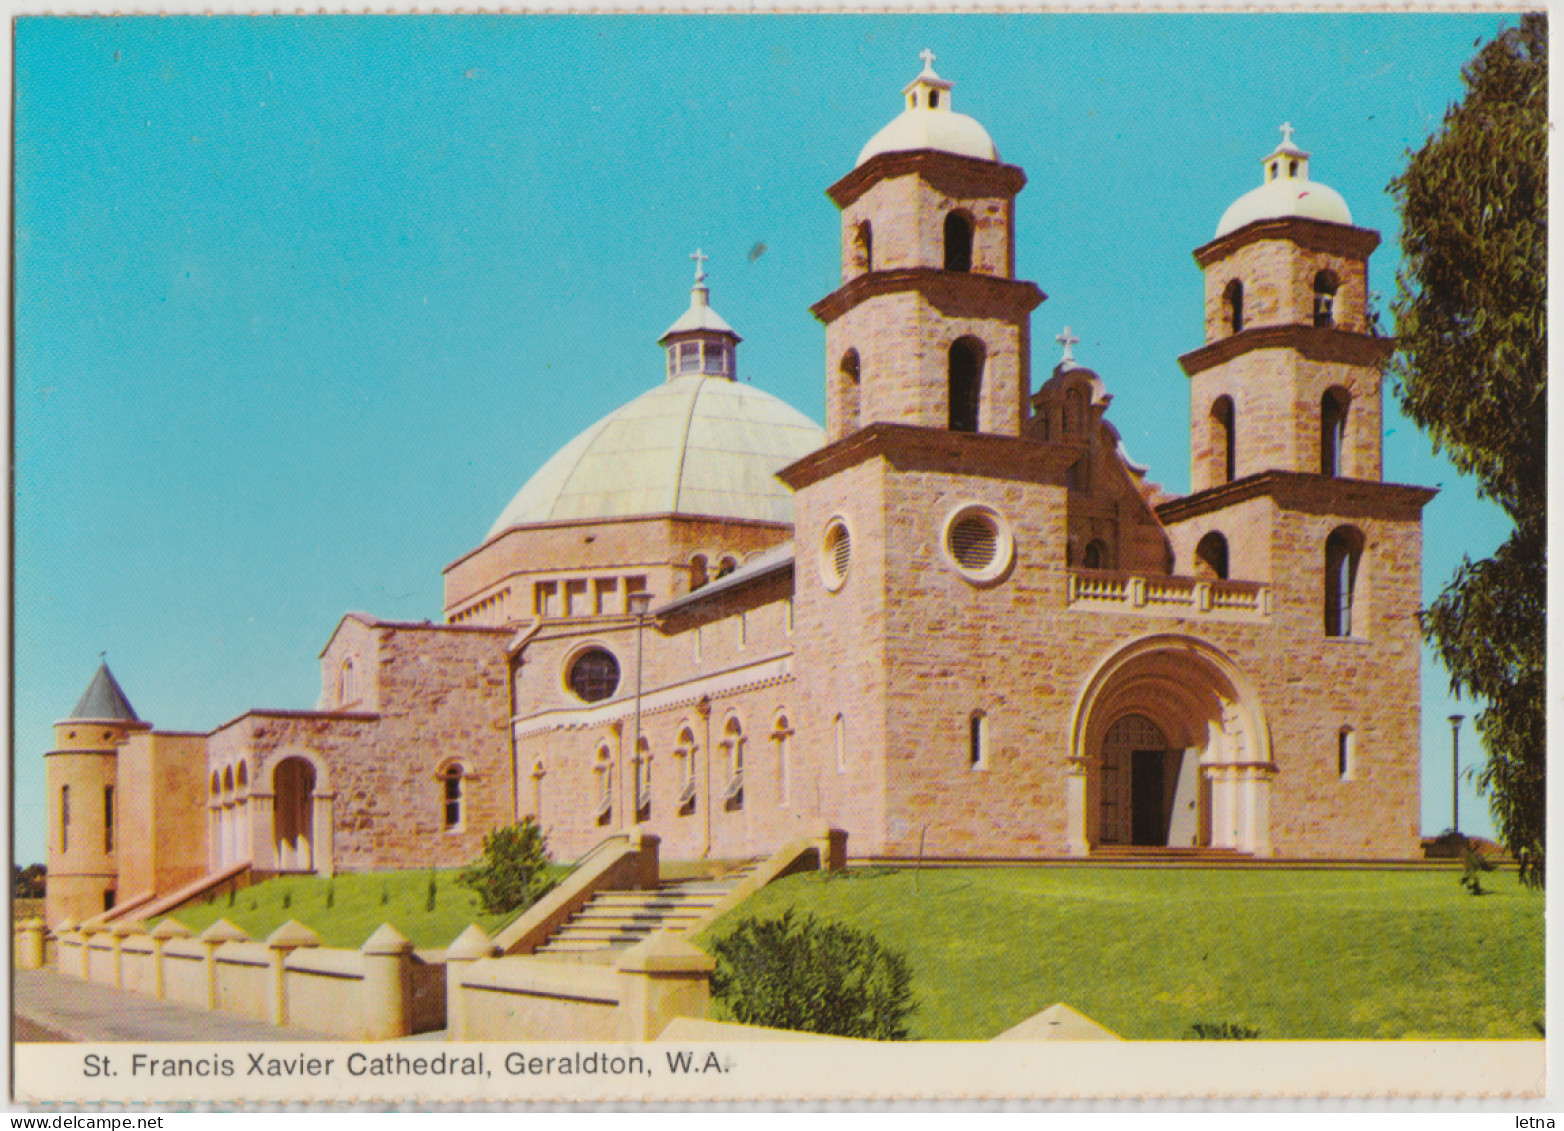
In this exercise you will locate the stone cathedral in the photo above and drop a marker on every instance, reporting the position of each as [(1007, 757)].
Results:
[(959, 622)]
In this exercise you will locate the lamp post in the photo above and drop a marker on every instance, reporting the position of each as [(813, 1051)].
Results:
[(1455, 772), (638, 604)]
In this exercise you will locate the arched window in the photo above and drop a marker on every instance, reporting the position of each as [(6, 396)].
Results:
[(108, 818), (839, 739), (1325, 285), (733, 755), (1343, 550), (977, 740), (698, 572), (966, 384), (244, 776), (848, 390), (451, 795), (863, 247), (602, 768), (1333, 430), (1075, 412), (228, 780), (727, 565), (684, 767), (65, 818), (1095, 556), (782, 735), (1211, 557), (347, 685), (537, 790), (958, 241), (1224, 438), (594, 675), (217, 784), (1346, 754), (1233, 306)]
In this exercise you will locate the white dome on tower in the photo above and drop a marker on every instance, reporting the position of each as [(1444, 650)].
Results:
[(928, 122), (1287, 192)]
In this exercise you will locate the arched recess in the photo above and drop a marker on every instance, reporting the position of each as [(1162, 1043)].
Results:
[(958, 241), (1334, 405), (966, 383), (1233, 306), (1325, 285), (848, 388), (1211, 557), (1209, 783), (863, 247), (1224, 440), (294, 784)]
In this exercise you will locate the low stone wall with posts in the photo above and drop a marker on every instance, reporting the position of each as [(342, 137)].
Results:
[(381, 990)]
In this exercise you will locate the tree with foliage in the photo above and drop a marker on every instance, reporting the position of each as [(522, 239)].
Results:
[(512, 874), (28, 882), (1471, 363), (815, 977)]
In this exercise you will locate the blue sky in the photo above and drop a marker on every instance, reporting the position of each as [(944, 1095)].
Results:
[(302, 302)]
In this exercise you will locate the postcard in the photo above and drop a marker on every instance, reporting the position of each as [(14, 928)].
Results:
[(702, 557)]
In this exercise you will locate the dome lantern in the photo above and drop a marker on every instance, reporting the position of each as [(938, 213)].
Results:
[(928, 122), (700, 343), (1285, 192)]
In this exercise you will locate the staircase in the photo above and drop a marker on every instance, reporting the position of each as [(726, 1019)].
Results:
[(614, 921)]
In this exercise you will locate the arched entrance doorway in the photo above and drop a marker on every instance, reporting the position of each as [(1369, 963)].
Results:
[(1169, 747), (293, 815)]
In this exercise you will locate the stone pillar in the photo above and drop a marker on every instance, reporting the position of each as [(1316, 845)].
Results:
[(388, 985), (167, 929), (1257, 810), (1075, 808), (29, 945), (468, 947), (322, 820), (67, 936), (832, 846), (119, 932), (211, 939), (86, 935), (663, 977), (281, 943), (263, 857), (647, 869)]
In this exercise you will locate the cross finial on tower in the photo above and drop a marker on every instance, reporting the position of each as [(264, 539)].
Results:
[(1286, 128), (700, 258), (1068, 341), (928, 60)]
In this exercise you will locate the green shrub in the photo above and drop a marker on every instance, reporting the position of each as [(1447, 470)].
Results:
[(510, 875), (1221, 1031), (1473, 865), (817, 977)]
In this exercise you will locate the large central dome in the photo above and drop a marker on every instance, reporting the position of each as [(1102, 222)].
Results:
[(700, 444), (696, 445)]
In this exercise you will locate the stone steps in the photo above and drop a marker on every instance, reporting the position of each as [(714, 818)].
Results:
[(613, 921)]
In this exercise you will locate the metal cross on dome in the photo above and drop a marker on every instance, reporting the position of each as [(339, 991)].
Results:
[(1286, 128), (1068, 341), (928, 60), (700, 258)]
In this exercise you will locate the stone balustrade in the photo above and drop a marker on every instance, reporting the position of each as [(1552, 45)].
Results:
[(1152, 595)]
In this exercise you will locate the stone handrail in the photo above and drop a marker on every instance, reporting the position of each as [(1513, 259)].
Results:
[(1160, 595), (625, 861), (826, 851)]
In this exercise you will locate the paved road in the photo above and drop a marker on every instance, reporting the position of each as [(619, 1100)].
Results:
[(49, 1006)]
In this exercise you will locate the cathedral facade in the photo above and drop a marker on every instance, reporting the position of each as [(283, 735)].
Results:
[(958, 622)]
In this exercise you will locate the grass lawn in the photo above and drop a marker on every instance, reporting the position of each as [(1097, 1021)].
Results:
[(1298, 955), (363, 901)]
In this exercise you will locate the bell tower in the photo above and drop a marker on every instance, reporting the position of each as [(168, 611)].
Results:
[(929, 326), (1289, 376)]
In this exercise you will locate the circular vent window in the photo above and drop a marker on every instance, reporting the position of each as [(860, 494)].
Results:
[(978, 543), (593, 675), (836, 554)]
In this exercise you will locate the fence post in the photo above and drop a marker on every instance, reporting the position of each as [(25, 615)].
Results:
[(663, 977), (388, 985), (29, 950), (213, 937), (281, 943), (167, 929), (86, 934), (467, 948), (119, 932)]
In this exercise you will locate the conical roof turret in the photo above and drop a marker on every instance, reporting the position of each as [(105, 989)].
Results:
[(104, 700)]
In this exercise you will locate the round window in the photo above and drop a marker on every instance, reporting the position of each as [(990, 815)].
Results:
[(836, 553), (978, 543), (594, 675)]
